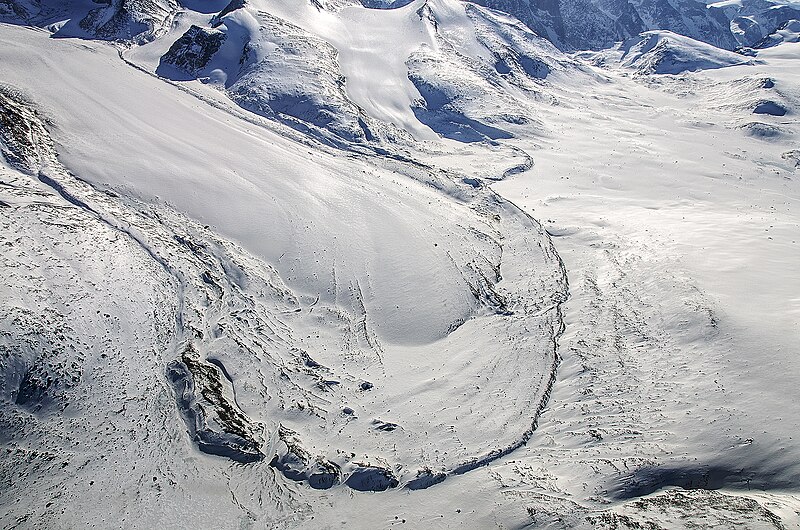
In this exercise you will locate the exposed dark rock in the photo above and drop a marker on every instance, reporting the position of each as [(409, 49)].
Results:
[(193, 51), (425, 479), (371, 478), (198, 394), (384, 426), (230, 8), (297, 464)]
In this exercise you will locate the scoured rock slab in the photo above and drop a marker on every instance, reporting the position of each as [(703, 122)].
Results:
[(214, 423)]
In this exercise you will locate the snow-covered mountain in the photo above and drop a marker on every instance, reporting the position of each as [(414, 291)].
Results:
[(321, 263), (789, 31), (139, 20), (664, 52), (296, 68), (569, 24), (754, 20), (597, 24)]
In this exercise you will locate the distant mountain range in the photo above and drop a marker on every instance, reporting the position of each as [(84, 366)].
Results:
[(596, 24)]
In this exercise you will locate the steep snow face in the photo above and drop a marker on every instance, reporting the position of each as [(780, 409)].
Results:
[(289, 72), (598, 24), (373, 61)]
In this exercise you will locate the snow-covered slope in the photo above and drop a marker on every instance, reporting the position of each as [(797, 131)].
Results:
[(420, 70), (662, 52), (349, 333), (278, 264), (130, 20)]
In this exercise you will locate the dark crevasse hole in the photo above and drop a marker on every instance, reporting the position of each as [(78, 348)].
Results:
[(502, 68), (771, 108)]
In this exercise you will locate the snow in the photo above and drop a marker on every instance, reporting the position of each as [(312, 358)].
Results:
[(664, 52), (194, 289), (373, 62), (157, 143), (703, 222), (787, 32)]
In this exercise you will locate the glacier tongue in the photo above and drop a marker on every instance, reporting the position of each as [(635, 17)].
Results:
[(350, 332)]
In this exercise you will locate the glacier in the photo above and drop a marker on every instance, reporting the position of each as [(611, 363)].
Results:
[(304, 264)]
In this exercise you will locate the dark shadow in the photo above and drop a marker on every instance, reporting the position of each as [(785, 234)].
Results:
[(648, 480), (502, 67), (172, 73), (437, 115), (385, 4), (458, 127), (307, 116), (534, 67), (370, 478), (769, 107)]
